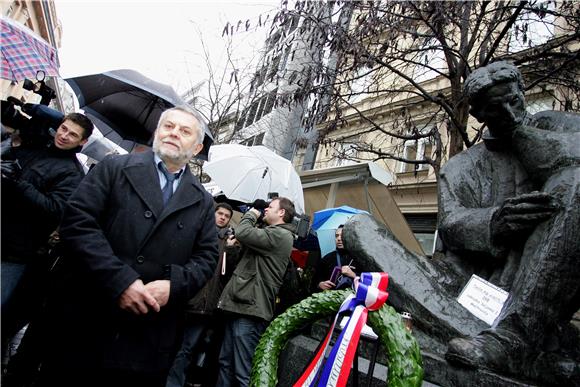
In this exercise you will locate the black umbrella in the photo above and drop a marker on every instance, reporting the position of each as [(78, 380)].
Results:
[(129, 104)]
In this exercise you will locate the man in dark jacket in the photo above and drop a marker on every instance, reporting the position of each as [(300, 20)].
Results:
[(250, 295), (139, 239), (36, 183), (200, 309)]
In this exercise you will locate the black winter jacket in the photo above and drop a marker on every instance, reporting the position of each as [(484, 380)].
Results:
[(33, 204), (205, 302)]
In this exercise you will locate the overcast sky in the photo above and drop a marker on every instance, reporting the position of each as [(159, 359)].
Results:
[(156, 38)]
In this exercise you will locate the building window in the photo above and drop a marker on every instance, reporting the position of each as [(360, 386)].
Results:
[(416, 150), (241, 120), (285, 59), (345, 154), (271, 100), (258, 109), (423, 227), (274, 67), (259, 140), (260, 77), (252, 113), (294, 24), (254, 140)]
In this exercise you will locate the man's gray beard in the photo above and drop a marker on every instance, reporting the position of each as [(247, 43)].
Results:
[(182, 159)]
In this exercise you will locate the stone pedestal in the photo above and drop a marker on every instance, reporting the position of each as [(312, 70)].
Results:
[(300, 350)]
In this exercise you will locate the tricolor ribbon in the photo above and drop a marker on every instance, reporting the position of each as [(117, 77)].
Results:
[(370, 294)]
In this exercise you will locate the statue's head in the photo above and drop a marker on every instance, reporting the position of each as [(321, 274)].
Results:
[(496, 96)]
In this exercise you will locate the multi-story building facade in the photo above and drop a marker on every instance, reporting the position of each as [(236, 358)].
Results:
[(413, 184), (269, 118)]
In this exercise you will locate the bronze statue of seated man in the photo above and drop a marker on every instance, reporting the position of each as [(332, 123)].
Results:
[(509, 211)]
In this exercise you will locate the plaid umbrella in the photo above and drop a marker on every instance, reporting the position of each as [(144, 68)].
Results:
[(24, 52)]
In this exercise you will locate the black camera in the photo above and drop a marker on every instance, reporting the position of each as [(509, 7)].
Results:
[(230, 232), (46, 93), (302, 223), (36, 125)]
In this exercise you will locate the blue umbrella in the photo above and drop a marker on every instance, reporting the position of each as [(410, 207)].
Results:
[(325, 222), (321, 216)]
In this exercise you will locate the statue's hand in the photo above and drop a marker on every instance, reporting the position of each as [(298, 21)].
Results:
[(518, 216)]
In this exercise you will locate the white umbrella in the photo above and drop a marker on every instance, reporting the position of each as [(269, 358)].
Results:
[(249, 173)]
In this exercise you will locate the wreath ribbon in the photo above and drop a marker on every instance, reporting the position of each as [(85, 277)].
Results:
[(370, 294)]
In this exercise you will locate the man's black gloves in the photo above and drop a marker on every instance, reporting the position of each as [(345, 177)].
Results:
[(260, 205), (11, 170)]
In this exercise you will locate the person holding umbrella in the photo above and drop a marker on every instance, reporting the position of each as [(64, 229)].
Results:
[(139, 241), (336, 270)]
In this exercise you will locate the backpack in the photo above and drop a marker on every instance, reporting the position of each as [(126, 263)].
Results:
[(292, 290)]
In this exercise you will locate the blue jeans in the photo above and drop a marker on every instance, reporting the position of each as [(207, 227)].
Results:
[(241, 338), (11, 275), (177, 373)]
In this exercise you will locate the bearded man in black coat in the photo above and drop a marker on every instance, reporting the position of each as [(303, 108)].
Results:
[(139, 241)]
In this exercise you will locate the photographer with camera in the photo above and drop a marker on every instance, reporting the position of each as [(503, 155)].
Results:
[(200, 312), (36, 183), (249, 297)]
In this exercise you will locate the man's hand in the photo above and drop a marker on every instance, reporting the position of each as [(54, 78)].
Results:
[(11, 170), (231, 241), (326, 285), (255, 212), (519, 215), (136, 299), (159, 290)]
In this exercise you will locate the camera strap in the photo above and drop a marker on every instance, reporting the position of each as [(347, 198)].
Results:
[(224, 263)]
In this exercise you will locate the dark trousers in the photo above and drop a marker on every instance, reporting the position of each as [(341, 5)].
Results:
[(241, 338), (24, 302), (178, 372)]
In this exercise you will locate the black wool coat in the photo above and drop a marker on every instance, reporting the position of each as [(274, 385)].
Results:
[(115, 230)]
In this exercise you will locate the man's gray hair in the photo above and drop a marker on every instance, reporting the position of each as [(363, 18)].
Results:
[(203, 128), (484, 77)]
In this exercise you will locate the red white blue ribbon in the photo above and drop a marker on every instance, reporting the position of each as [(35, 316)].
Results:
[(370, 294)]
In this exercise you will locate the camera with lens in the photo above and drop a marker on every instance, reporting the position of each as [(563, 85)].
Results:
[(46, 93), (230, 232), (33, 122), (302, 223)]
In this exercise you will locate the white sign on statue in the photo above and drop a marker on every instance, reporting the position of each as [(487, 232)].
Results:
[(483, 299)]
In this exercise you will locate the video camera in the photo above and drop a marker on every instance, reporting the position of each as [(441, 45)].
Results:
[(36, 130), (40, 88), (301, 221)]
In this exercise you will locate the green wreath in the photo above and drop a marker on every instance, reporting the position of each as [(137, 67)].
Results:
[(403, 354)]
